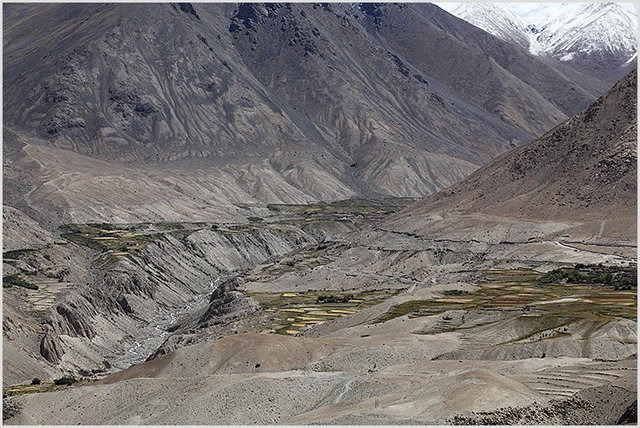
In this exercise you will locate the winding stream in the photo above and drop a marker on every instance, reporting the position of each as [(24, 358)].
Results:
[(149, 338)]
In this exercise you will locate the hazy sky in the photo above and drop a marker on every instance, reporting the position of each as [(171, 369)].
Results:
[(524, 7)]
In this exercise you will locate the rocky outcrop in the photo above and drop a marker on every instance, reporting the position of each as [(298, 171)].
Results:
[(49, 345), (226, 306), (225, 301)]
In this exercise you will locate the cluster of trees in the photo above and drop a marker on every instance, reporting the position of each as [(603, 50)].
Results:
[(334, 299), (620, 278)]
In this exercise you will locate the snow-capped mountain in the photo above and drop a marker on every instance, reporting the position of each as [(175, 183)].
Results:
[(585, 28), (599, 39), (495, 19)]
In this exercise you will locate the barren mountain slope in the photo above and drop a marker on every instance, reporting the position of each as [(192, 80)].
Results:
[(581, 172), (281, 103)]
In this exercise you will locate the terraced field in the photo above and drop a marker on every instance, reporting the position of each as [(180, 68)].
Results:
[(561, 382), (529, 291), (116, 242), (293, 312)]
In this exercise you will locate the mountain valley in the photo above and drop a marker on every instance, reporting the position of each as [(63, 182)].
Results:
[(311, 214)]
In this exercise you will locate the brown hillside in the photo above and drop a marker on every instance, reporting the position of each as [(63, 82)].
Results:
[(583, 170)]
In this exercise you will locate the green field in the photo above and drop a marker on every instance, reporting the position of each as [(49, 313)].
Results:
[(292, 312), (530, 290)]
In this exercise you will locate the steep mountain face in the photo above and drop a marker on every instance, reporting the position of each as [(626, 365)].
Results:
[(595, 39), (581, 173), (268, 103)]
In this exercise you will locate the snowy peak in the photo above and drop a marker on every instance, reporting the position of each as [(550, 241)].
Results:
[(496, 20), (558, 30), (585, 28), (594, 44)]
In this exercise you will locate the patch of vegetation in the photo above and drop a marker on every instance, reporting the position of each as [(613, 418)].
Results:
[(530, 290), (18, 254), (65, 381), (40, 386), (334, 299), (15, 279), (169, 225), (239, 228), (291, 312), (106, 237), (570, 275), (423, 307), (106, 364), (455, 292), (255, 219), (352, 211), (622, 278), (105, 226)]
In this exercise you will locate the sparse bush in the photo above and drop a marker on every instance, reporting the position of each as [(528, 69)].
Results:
[(106, 364), (84, 372), (255, 219), (35, 381)]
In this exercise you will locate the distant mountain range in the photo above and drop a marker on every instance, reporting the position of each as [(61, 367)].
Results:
[(597, 39), (191, 109)]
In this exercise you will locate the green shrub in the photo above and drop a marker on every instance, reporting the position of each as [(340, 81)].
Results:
[(17, 254), (255, 219), (106, 364), (35, 381), (455, 292), (65, 381), (84, 372), (604, 278)]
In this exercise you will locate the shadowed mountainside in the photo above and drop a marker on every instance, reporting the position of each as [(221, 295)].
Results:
[(279, 102)]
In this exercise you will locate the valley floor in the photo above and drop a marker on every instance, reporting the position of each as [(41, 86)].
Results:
[(359, 325)]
